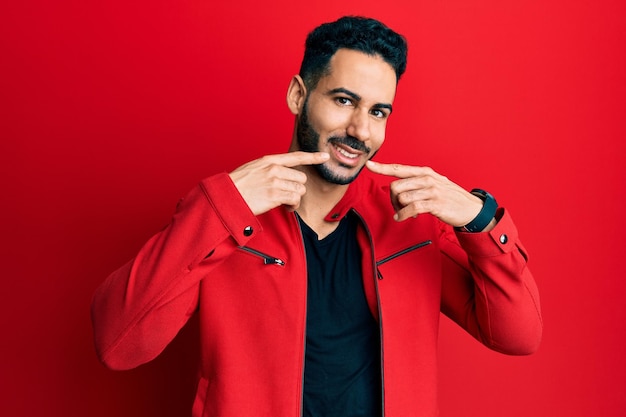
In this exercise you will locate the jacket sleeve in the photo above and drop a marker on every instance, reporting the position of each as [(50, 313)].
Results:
[(489, 290), (141, 307)]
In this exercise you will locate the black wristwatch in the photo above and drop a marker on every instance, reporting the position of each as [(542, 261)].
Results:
[(487, 213)]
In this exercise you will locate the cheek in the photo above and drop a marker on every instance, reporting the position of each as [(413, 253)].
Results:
[(378, 137), (330, 120)]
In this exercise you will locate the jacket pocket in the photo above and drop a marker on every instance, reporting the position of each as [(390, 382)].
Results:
[(267, 259), (400, 253)]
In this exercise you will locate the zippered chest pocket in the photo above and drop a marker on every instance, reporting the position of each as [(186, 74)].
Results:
[(399, 254), (267, 259)]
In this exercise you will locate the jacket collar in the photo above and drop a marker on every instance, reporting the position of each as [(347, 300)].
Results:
[(355, 192)]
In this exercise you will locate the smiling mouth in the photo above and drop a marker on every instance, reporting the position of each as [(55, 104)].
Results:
[(346, 156), (346, 153)]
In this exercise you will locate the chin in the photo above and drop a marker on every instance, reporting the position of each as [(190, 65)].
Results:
[(333, 177)]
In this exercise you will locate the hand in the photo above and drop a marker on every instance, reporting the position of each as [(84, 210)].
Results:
[(422, 190), (272, 181)]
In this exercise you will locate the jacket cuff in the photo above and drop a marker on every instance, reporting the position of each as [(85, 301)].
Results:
[(502, 238), (231, 208)]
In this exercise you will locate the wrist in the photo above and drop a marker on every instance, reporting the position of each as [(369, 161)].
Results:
[(486, 217)]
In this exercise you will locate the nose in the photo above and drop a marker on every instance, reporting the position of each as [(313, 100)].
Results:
[(359, 126)]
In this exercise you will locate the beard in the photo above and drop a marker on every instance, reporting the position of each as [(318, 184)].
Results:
[(308, 141)]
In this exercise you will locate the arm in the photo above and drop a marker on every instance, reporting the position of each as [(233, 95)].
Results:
[(487, 287), (139, 309)]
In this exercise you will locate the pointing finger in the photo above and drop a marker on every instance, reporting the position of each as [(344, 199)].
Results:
[(293, 159), (394, 170)]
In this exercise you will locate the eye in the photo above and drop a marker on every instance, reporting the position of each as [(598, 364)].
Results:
[(378, 113), (343, 101)]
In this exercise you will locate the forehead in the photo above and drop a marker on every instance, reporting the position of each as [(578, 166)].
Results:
[(369, 76)]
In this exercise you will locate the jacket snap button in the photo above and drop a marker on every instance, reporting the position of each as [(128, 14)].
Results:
[(335, 215), (504, 238), (248, 231)]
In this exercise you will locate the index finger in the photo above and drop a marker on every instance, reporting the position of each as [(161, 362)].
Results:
[(396, 170), (296, 158)]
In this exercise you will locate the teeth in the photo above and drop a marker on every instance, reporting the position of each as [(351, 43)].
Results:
[(346, 153)]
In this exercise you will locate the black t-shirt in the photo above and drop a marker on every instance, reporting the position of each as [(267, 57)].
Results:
[(342, 360)]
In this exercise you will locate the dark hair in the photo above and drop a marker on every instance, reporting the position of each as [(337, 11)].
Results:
[(351, 32)]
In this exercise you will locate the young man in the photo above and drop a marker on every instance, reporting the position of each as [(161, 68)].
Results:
[(318, 296)]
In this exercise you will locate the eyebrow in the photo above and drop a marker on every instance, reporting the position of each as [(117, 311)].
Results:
[(357, 98)]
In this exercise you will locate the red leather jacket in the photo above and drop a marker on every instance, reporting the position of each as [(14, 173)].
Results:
[(247, 276)]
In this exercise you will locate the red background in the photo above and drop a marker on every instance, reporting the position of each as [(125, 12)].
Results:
[(112, 110)]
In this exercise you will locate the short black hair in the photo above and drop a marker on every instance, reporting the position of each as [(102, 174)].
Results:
[(351, 32)]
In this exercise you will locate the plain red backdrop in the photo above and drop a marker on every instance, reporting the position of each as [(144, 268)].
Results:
[(111, 111)]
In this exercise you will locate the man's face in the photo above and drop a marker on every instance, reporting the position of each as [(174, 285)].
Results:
[(346, 114)]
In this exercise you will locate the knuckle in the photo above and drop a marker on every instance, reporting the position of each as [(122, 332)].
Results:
[(293, 197), (415, 205), (300, 177), (404, 199), (275, 182), (266, 159), (273, 194), (273, 169)]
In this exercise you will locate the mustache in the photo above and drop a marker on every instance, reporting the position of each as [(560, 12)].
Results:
[(350, 141)]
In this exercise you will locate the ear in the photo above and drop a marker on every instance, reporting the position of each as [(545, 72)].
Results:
[(296, 94)]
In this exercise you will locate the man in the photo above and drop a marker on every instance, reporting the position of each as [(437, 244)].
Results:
[(317, 296)]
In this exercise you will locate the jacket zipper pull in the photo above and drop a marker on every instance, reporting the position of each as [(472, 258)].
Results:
[(267, 260)]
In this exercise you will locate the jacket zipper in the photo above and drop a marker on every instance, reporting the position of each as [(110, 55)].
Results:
[(380, 312), (400, 253), (306, 297), (267, 259)]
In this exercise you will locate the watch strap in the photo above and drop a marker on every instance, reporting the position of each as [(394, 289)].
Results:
[(486, 214)]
